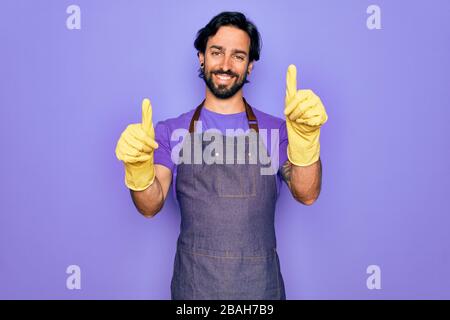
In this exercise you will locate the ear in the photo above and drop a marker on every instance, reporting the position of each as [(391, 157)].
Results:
[(201, 57), (250, 67)]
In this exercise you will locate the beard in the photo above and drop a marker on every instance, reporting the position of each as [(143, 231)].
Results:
[(222, 91)]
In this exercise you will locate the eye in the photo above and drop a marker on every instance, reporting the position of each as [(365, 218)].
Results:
[(240, 58), (215, 53)]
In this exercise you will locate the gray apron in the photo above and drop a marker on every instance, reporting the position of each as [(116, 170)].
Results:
[(226, 248)]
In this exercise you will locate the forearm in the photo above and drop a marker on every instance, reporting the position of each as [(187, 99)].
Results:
[(149, 201), (304, 182)]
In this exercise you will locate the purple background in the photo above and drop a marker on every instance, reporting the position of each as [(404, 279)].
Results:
[(66, 95)]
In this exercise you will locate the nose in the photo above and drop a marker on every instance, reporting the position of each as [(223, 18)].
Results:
[(226, 63)]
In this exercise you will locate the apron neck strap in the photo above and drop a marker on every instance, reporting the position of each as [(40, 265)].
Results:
[(251, 118)]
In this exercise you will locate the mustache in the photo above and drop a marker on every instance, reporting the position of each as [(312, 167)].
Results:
[(221, 72)]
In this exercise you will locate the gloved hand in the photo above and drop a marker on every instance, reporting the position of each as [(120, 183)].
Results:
[(305, 114), (135, 148)]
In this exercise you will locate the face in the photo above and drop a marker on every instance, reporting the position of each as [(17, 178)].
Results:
[(226, 61)]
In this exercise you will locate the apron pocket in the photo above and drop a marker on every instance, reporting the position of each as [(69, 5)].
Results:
[(225, 180), (229, 278), (236, 181)]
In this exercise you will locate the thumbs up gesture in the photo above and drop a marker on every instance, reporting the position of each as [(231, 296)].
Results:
[(135, 148), (305, 114)]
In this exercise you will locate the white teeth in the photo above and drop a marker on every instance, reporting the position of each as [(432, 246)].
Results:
[(222, 77)]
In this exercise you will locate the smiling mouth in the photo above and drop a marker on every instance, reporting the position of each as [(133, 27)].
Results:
[(223, 77)]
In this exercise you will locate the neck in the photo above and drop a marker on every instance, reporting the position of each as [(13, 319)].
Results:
[(234, 104)]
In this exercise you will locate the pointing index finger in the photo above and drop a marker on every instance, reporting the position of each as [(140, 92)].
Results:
[(146, 115), (291, 81)]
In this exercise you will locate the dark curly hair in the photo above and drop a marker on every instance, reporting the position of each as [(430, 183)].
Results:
[(235, 19)]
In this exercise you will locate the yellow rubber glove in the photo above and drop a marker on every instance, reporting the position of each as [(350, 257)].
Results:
[(305, 114), (135, 148)]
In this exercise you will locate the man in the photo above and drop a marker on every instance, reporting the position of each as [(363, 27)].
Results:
[(227, 246)]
